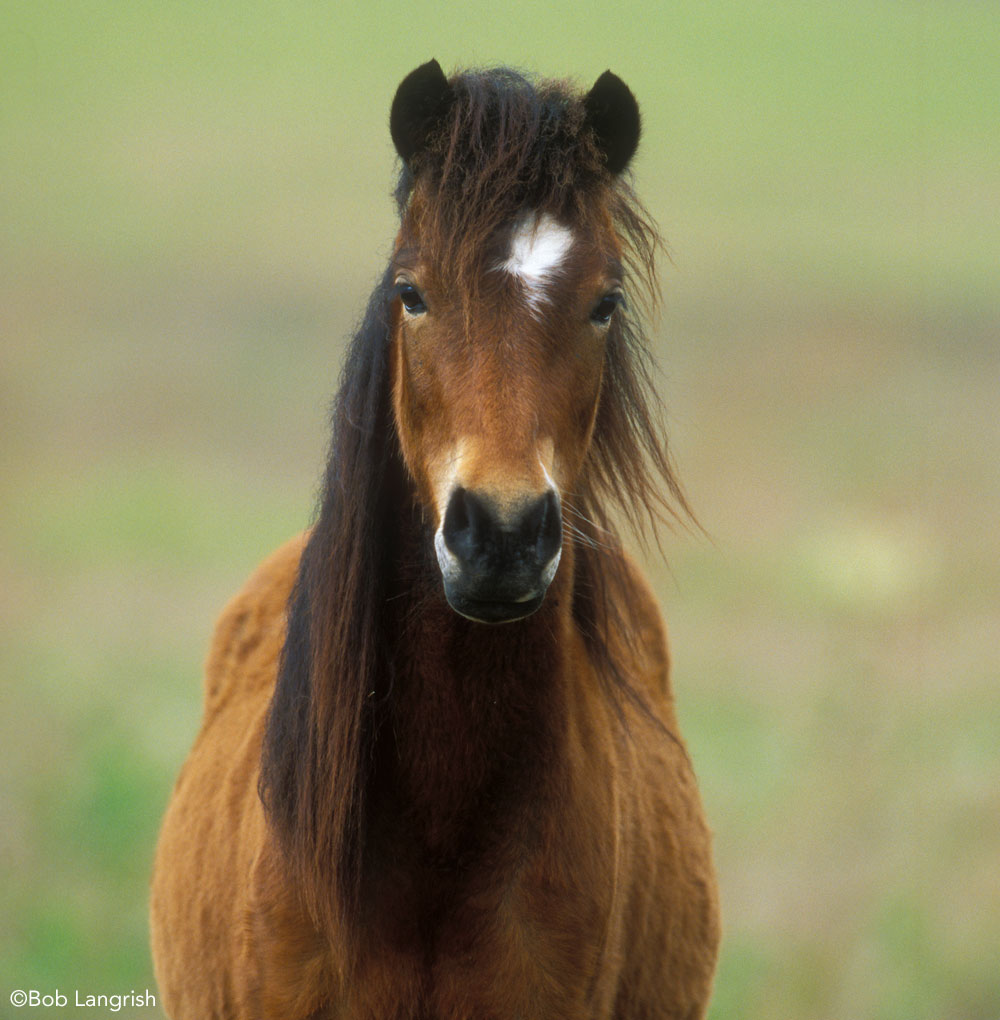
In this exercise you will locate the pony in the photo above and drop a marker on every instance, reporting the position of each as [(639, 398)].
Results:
[(439, 774)]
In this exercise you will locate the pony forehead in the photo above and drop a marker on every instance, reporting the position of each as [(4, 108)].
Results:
[(537, 249), (539, 244)]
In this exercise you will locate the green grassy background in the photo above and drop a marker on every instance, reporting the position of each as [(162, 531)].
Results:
[(193, 206)]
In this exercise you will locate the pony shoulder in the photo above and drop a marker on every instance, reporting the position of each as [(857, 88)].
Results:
[(250, 632)]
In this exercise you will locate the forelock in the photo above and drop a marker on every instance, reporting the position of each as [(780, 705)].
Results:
[(511, 146)]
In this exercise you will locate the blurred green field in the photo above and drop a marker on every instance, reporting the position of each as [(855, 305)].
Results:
[(194, 202)]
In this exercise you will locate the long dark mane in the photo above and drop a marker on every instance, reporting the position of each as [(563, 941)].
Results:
[(509, 143)]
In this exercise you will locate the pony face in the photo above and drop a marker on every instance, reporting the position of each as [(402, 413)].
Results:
[(507, 280), (495, 392)]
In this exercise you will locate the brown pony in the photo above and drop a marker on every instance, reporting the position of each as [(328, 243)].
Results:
[(396, 807)]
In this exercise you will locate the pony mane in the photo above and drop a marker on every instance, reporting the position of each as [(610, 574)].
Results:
[(509, 143), (314, 768)]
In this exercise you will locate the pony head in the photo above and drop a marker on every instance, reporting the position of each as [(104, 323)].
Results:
[(508, 278)]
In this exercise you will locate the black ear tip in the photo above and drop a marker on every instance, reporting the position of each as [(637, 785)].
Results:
[(421, 99), (609, 80), (424, 74), (613, 114)]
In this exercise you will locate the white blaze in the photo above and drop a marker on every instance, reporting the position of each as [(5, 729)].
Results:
[(537, 249)]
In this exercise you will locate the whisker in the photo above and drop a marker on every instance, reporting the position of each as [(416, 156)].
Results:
[(594, 538)]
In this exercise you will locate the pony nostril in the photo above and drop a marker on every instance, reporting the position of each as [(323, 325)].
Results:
[(456, 517), (548, 527), (466, 523), (456, 522)]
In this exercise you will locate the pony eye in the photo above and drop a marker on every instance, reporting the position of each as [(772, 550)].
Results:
[(605, 308), (412, 301)]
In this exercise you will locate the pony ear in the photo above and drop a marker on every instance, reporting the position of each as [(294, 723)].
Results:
[(613, 114), (422, 99)]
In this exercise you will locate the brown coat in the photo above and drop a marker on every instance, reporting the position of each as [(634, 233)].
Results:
[(613, 914)]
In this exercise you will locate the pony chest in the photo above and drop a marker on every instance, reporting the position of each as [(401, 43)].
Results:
[(488, 956)]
